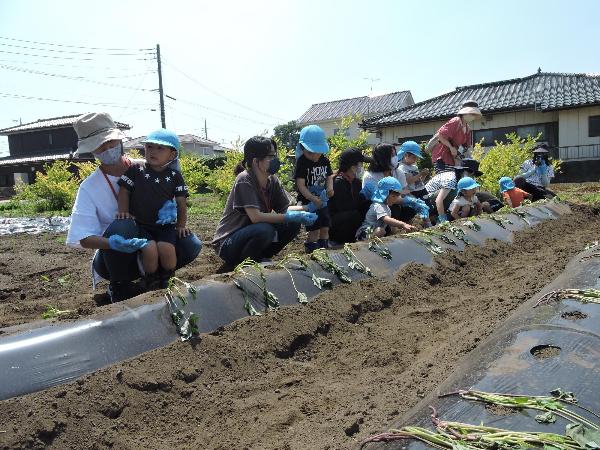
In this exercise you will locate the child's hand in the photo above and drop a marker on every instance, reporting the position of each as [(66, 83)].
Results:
[(183, 232), (124, 215), (330, 192), (407, 227), (423, 173), (317, 201)]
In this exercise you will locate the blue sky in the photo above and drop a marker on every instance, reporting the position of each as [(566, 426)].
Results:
[(245, 66)]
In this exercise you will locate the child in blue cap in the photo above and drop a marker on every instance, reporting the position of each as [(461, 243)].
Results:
[(314, 182), (379, 217), (154, 194), (466, 203), (512, 195)]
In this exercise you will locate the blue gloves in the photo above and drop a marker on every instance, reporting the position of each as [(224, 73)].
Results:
[(418, 205), (368, 190), (303, 217), (168, 213), (120, 244), (442, 218), (324, 199)]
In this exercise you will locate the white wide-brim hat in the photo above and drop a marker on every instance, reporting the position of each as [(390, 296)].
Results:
[(93, 130), (469, 107)]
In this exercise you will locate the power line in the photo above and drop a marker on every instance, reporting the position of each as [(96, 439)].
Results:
[(63, 57), (27, 97), (70, 66), (70, 51), (212, 91), (68, 77), (71, 46), (224, 113)]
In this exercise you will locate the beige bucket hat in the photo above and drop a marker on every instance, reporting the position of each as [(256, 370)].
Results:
[(93, 130), (469, 107)]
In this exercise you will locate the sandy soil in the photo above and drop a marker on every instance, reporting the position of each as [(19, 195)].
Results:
[(322, 376)]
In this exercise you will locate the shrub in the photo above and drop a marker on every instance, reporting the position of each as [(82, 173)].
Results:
[(85, 169), (53, 190), (194, 171), (340, 142), (505, 160), (221, 179)]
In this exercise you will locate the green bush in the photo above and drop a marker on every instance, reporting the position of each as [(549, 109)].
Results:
[(340, 142), (53, 190), (221, 179), (194, 171), (505, 160)]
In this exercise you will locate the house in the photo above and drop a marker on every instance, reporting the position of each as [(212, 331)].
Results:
[(31, 145), (563, 107), (328, 115), (190, 143)]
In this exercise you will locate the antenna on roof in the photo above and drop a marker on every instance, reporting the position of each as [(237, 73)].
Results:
[(372, 80), (539, 70)]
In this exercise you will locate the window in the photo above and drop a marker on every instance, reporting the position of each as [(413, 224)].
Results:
[(594, 126), (417, 139), (549, 133)]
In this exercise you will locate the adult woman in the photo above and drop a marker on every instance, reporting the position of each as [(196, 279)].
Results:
[(536, 174), (258, 220), (93, 223), (348, 206), (455, 135)]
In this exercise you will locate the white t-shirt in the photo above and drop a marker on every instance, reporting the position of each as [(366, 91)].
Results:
[(94, 209), (374, 217), (412, 170), (374, 177), (462, 201)]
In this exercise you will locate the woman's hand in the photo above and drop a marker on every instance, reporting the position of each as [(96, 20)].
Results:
[(183, 232), (124, 215)]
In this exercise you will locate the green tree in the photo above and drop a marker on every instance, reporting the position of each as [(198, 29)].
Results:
[(287, 134), (340, 142)]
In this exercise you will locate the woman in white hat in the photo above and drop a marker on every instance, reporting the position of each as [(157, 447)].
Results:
[(93, 223), (536, 174), (455, 137)]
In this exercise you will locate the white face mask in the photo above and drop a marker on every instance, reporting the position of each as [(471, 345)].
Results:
[(468, 118), (111, 155), (394, 161), (360, 171)]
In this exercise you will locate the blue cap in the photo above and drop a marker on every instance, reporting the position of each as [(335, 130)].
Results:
[(409, 147), (163, 137), (384, 187), (506, 184), (466, 183), (312, 138)]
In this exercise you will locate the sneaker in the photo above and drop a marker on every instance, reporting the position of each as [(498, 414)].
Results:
[(323, 243), (310, 247), (163, 278), (152, 281)]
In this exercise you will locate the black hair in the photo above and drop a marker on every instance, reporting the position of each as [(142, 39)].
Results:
[(382, 153), (543, 156), (255, 147)]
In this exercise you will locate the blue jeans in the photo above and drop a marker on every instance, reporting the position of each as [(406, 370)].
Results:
[(255, 241), (118, 266)]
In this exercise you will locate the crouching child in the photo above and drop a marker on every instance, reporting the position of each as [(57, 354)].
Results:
[(379, 218), (466, 203)]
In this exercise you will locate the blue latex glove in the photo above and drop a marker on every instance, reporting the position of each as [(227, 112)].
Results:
[(168, 213), (368, 190), (418, 205), (324, 199), (303, 217), (120, 244), (442, 218)]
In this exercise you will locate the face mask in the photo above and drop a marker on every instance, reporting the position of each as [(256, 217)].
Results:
[(110, 156), (274, 166), (394, 161), (469, 118), (360, 171)]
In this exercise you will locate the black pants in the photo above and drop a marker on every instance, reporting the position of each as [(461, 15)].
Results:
[(344, 225), (119, 266), (537, 192)]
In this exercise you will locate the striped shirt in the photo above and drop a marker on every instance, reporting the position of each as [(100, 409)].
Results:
[(442, 180)]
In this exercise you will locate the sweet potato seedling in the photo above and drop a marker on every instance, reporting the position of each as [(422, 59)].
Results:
[(52, 312), (259, 280), (324, 260)]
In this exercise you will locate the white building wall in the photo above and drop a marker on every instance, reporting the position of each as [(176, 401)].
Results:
[(392, 134)]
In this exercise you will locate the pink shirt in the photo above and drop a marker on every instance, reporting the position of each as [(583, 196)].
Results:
[(452, 131)]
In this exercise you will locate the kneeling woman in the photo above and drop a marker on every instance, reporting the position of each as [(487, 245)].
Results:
[(258, 220)]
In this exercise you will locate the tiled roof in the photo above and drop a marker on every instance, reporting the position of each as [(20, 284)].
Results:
[(33, 159), (542, 91), (359, 105), (54, 122), (183, 138)]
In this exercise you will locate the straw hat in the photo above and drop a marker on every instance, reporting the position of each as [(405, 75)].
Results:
[(469, 107), (93, 130)]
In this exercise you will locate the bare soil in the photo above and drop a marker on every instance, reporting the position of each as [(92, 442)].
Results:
[(320, 376)]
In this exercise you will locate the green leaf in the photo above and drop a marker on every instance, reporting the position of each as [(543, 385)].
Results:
[(547, 417), (583, 436)]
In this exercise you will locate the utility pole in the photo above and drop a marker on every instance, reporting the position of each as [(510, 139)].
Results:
[(205, 130), (160, 89)]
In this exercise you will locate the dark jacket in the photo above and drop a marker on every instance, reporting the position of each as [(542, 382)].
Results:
[(347, 196)]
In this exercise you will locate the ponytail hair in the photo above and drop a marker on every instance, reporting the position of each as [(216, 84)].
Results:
[(255, 147)]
